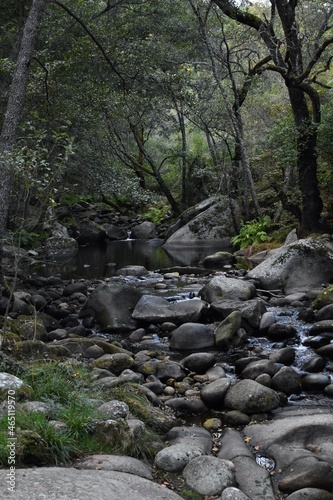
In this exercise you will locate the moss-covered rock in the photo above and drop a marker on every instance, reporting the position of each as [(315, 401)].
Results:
[(324, 298), (29, 327)]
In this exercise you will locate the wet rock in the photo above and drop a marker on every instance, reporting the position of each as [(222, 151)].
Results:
[(111, 307), (61, 247), (325, 312), (256, 368), (218, 260), (287, 380), (144, 231), (159, 310), (132, 271), (250, 397), (213, 393), (326, 351), (314, 364), (226, 330), (315, 382), (78, 287), (281, 331), (286, 356), (251, 311), (192, 337), (267, 319), (198, 362), (114, 233)]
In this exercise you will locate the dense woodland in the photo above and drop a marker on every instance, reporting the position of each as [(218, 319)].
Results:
[(158, 105)]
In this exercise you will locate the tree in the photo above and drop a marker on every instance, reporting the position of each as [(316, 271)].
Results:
[(15, 104), (299, 62)]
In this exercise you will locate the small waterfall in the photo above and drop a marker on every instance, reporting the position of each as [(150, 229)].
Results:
[(129, 233)]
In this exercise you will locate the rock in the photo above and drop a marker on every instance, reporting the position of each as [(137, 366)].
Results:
[(187, 405), (111, 307), (310, 494), (250, 310), (144, 231), (256, 368), (88, 232), (213, 393), (295, 267), (13, 386), (236, 418), (61, 247), (28, 328), (233, 493), (315, 381), (192, 337), (174, 458), (209, 475), (77, 287), (250, 397), (287, 380), (267, 319), (54, 483), (210, 221), (114, 409), (314, 364), (154, 309), (307, 472), (118, 463), (227, 329), (132, 271), (199, 362), (221, 288), (116, 363), (114, 233), (281, 331), (286, 356), (218, 260)]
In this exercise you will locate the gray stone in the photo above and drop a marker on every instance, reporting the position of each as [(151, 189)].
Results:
[(175, 457), (213, 393), (250, 397), (221, 288), (233, 493), (227, 329), (209, 475), (114, 409), (154, 309), (295, 267), (144, 231), (310, 494), (53, 483), (256, 368), (251, 311), (61, 247), (198, 362), (118, 463), (192, 337), (287, 380)]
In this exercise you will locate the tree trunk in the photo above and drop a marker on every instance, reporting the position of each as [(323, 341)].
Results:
[(14, 111), (311, 205)]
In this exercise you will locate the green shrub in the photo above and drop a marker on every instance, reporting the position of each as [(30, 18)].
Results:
[(252, 233)]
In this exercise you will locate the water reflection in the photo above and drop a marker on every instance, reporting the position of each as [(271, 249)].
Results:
[(102, 260)]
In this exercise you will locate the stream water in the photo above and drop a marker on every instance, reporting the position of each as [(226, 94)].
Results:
[(101, 261)]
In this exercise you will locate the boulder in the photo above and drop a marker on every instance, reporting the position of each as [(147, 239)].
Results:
[(250, 310), (192, 337), (209, 475), (111, 307), (218, 260), (301, 265), (61, 247), (222, 288), (154, 309), (211, 221), (250, 397), (144, 231), (227, 329)]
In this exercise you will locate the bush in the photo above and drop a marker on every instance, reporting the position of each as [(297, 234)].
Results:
[(252, 233)]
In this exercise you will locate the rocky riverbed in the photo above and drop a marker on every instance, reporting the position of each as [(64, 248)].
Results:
[(234, 368)]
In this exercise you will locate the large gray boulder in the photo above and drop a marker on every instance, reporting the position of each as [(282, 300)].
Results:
[(222, 288), (212, 223), (192, 337), (153, 309), (111, 307), (301, 265)]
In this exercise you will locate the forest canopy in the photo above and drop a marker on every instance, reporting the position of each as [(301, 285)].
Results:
[(145, 104)]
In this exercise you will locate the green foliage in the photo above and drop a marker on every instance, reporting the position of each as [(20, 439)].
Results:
[(252, 233), (155, 213)]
